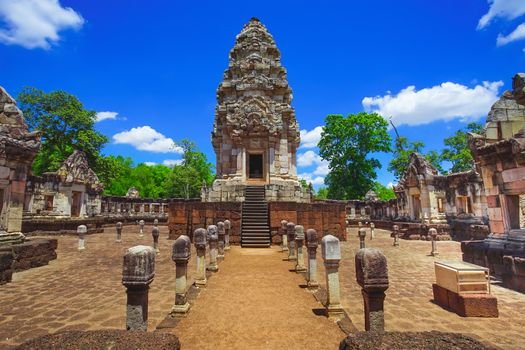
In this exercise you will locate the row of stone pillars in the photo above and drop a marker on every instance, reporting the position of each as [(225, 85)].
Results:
[(139, 269), (370, 263)]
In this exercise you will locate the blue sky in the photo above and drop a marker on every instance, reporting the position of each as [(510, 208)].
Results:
[(155, 66)]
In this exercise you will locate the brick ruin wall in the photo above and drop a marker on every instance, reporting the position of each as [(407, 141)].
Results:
[(326, 218)]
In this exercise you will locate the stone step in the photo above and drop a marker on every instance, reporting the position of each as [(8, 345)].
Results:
[(257, 231)]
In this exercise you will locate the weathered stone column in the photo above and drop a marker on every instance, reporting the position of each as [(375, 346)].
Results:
[(284, 236), (181, 255), (156, 222), (221, 234), (361, 233), (141, 225), (119, 232), (227, 228), (155, 233), (290, 230), (372, 229), (299, 242), (433, 235), (331, 252), (81, 230), (199, 239), (395, 234), (311, 276), (213, 237), (372, 275), (138, 270)]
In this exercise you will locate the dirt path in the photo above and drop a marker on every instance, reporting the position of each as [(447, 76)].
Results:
[(255, 302)]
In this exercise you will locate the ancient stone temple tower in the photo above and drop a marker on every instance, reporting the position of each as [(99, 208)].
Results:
[(255, 135)]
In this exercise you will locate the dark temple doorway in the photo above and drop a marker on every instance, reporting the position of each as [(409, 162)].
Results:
[(255, 166)]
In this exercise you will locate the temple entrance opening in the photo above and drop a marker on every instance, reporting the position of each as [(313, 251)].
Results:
[(75, 207), (255, 166)]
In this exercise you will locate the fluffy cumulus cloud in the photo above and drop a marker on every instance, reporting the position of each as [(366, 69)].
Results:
[(310, 139), (506, 9), (517, 34), (145, 138), (172, 162), (35, 23), (441, 102), (106, 116), (310, 178)]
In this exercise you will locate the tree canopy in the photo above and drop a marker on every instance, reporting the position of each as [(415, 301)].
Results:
[(65, 125), (457, 151), (348, 143), (383, 192)]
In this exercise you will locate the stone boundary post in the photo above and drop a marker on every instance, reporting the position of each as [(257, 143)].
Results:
[(395, 235), (221, 235), (284, 236), (81, 230), (372, 275), (156, 222), (141, 225), (199, 239), (299, 242), (361, 233), (119, 232), (331, 252), (372, 231), (227, 227), (290, 231), (214, 237), (181, 255), (311, 276), (155, 233), (433, 235), (138, 271)]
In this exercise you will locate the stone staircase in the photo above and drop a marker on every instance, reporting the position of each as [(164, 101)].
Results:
[(255, 229)]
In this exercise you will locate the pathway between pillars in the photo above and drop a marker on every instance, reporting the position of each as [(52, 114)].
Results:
[(255, 302)]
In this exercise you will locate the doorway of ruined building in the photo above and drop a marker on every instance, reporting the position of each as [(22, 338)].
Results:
[(516, 211), (76, 204), (255, 166), (416, 204)]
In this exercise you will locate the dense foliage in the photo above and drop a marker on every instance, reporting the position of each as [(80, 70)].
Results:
[(457, 151), (402, 150), (65, 126), (383, 192), (347, 144)]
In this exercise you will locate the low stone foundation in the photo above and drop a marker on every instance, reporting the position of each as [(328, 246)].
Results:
[(468, 305), (32, 253), (410, 230), (102, 340), (411, 340)]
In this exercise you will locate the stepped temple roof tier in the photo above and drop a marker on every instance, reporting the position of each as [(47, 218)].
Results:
[(255, 134)]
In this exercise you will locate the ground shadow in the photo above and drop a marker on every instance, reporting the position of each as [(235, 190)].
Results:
[(319, 312)]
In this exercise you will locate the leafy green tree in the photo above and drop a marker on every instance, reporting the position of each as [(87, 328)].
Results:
[(322, 193), (347, 143), (116, 174), (383, 192), (185, 180), (65, 125), (150, 180), (401, 155), (457, 151), (435, 159), (303, 183)]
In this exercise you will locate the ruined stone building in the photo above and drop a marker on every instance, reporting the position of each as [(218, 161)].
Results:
[(73, 191), (499, 153), (255, 134), (18, 148)]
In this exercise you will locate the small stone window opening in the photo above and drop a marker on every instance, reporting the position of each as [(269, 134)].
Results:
[(516, 210), (156, 208), (465, 205), (165, 209), (137, 208), (441, 207), (146, 208), (49, 202)]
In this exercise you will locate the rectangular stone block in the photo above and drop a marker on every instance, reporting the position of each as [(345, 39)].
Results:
[(472, 305)]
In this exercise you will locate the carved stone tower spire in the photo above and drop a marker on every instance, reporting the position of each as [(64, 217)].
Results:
[(255, 135)]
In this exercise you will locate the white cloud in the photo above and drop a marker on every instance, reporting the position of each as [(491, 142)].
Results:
[(145, 138), (322, 169), (507, 9), (308, 158), (106, 115), (315, 180), (150, 163), (391, 185), (517, 34), (172, 162), (36, 23), (441, 102), (310, 139)]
